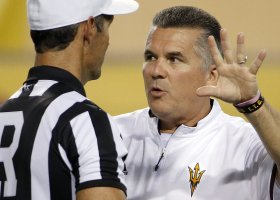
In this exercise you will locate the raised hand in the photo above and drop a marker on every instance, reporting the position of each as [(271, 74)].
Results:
[(236, 82)]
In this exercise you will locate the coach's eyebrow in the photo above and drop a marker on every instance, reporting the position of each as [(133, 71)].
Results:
[(148, 53), (175, 54)]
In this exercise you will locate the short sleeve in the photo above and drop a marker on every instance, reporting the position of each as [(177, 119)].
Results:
[(100, 151)]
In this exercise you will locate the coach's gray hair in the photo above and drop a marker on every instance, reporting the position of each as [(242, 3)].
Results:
[(192, 17)]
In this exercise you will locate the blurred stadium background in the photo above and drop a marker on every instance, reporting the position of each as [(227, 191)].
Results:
[(120, 89)]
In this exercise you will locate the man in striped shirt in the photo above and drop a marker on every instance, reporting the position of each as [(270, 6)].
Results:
[(54, 142)]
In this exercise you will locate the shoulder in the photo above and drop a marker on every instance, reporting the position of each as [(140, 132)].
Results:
[(237, 129), (133, 121), (229, 125), (226, 120), (234, 123), (76, 109), (132, 117)]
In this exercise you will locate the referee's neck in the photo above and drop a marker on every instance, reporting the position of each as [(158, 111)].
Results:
[(63, 59)]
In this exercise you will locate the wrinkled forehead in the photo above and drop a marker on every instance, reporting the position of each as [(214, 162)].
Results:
[(173, 36)]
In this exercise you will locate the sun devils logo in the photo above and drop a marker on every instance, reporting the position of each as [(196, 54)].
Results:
[(195, 177)]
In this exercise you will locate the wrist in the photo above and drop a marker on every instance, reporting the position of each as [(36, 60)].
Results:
[(250, 105), (249, 102)]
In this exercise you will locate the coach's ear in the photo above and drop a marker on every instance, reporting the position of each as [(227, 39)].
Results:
[(213, 76)]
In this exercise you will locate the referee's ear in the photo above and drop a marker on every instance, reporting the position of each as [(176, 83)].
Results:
[(89, 28)]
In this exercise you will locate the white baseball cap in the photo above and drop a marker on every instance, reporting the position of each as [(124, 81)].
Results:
[(49, 14)]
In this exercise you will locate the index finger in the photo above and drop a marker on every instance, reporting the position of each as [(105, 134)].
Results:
[(226, 48), (215, 53)]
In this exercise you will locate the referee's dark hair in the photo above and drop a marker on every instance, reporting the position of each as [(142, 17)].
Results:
[(59, 38)]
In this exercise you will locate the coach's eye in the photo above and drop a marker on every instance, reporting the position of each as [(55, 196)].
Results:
[(148, 56), (174, 59)]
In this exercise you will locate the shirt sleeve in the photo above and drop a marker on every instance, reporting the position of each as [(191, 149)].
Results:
[(100, 151)]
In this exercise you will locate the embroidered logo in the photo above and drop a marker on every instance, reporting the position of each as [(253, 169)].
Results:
[(195, 177)]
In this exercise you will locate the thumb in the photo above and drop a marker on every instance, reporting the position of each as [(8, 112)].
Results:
[(206, 91)]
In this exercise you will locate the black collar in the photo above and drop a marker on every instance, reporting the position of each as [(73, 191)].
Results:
[(57, 74)]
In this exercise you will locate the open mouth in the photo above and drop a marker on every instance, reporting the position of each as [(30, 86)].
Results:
[(156, 92), (156, 89)]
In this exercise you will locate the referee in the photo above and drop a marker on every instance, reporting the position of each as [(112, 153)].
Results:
[(55, 144)]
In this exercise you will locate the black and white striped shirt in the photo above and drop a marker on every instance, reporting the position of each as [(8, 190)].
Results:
[(54, 141)]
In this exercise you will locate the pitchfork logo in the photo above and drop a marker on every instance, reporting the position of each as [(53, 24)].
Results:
[(195, 177)]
